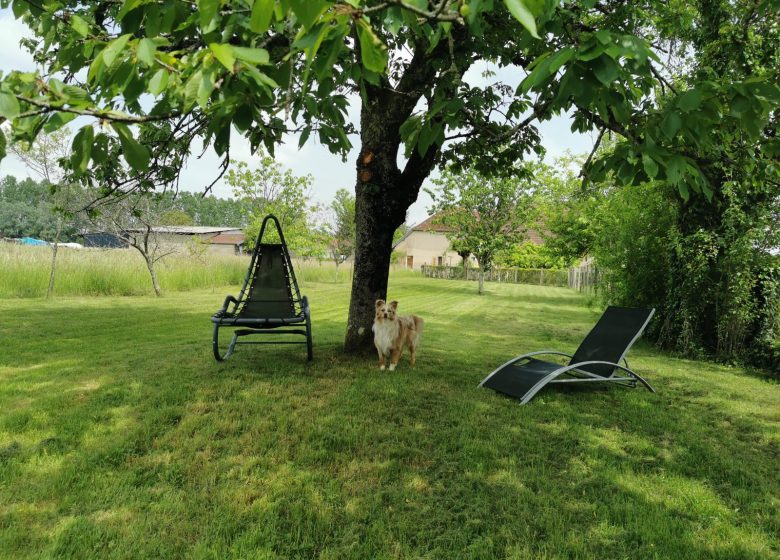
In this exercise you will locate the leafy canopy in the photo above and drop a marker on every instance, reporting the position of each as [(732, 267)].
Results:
[(156, 76)]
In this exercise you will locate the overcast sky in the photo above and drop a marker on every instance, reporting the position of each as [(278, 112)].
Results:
[(328, 171)]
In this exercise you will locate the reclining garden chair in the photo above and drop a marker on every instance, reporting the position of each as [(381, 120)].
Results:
[(269, 303), (596, 360)]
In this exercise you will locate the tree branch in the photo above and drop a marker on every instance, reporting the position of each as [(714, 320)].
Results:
[(104, 115)]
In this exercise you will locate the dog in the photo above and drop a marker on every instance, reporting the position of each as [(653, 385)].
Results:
[(393, 332)]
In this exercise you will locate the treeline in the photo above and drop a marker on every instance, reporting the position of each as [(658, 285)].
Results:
[(28, 208)]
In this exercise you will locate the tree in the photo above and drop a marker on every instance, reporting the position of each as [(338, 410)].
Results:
[(270, 189), (136, 220), (210, 210), (212, 66), (26, 209), (342, 231), (485, 216), (45, 156)]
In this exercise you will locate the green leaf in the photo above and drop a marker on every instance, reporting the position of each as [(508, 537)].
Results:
[(689, 100), (207, 10), (145, 51), (373, 51), (519, 9), (76, 96), (606, 69), (128, 6), (2, 145), (82, 148), (159, 82), (651, 167), (224, 54), (253, 56), (204, 91), (263, 80), (79, 25), (9, 106), (262, 11), (675, 166), (307, 11), (304, 136), (114, 48), (191, 89), (136, 155), (671, 124), (57, 121)]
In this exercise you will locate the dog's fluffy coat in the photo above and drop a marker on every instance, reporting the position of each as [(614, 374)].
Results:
[(393, 332)]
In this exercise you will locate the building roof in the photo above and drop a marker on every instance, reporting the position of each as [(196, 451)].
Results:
[(430, 224), (189, 230), (227, 239)]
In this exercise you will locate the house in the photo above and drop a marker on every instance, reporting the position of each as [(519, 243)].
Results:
[(427, 243)]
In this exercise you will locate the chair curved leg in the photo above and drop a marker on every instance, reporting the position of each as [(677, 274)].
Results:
[(309, 345), (642, 381), (215, 345)]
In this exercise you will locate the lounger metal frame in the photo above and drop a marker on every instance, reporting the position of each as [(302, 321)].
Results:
[(573, 370)]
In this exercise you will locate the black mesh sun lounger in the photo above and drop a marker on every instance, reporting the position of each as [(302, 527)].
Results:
[(269, 303), (596, 360)]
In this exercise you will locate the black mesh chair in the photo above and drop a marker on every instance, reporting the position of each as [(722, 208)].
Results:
[(269, 303), (596, 360)]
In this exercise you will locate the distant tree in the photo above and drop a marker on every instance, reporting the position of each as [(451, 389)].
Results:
[(210, 210), (563, 209), (176, 217), (268, 188), (26, 209), (136, 220), (485, 215), (342, 244), (46, 156)]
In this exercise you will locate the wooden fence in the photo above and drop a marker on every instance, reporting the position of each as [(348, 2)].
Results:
[(584, 278), (537, 276)]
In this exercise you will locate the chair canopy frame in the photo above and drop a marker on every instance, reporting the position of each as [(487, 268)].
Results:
[(524, 376), (269, 302)]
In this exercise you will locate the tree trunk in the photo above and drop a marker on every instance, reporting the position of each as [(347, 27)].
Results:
[(372, 266), (54, 248), (382, 196), (481, 289), (153, 274)]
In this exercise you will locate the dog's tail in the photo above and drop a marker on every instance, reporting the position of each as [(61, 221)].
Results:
[(418, 328)]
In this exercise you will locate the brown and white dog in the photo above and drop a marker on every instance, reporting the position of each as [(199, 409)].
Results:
[(392, 332)]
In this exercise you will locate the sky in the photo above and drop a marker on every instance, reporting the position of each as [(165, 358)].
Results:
[(329, 173)]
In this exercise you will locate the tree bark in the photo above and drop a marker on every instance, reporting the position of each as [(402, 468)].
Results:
[(481, 289), (383, 193), (52, 274), (153, 274)]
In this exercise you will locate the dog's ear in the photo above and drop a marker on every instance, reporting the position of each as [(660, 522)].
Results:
[(393, 305), (379, 303)]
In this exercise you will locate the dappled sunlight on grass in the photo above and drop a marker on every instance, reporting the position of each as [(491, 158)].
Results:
[(121, 437)]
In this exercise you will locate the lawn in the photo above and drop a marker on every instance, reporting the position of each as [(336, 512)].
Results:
[(121, 437)]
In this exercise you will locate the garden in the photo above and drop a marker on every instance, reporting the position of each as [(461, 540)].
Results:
[(122, 437)]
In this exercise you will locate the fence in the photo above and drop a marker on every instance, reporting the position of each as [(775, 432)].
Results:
[(584, 278), (538, 276)]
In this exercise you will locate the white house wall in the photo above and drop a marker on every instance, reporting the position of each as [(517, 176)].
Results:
[(425, 248)]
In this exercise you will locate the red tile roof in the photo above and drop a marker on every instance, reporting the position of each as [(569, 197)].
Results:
[(430, 224)]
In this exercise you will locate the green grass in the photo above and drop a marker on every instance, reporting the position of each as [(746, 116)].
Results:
[(120, 437)]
